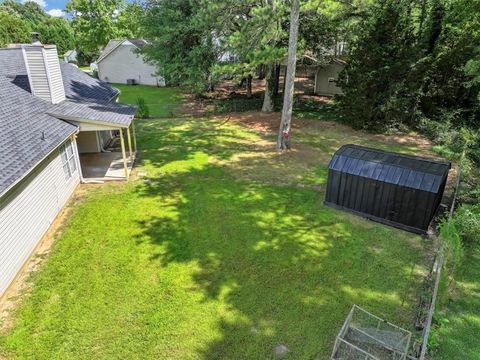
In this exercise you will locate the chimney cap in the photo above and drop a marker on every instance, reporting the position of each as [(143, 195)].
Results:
[(35, 38)]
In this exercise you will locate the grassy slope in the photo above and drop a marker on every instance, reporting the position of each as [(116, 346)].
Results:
[(460, 337), (160, 101), (199, 263)]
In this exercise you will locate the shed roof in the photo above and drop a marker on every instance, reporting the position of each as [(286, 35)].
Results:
[(403, 170)]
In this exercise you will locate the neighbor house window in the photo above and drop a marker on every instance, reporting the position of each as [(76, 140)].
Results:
[(68, 159)]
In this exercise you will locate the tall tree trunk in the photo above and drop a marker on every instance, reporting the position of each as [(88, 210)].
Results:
[(261, 72), (210, 85), (249, 86), (269, 87), (421, 21), (284, 131), (277, 79)]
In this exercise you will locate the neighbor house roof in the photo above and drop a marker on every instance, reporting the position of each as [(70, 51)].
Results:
[(28, 133), (113, 44)]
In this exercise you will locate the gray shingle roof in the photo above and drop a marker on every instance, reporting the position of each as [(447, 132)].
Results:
[(113, 44), (28, 131), (81, 86), (28, 134), (78, 84), (105, 112), (138, 42)]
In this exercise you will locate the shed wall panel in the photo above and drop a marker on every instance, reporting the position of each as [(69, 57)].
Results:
[(323, 85), (400, 190)]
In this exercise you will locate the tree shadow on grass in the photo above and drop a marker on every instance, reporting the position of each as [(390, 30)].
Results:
[(288, 267), (285, 268)]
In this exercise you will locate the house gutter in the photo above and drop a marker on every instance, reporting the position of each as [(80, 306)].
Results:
[(113, 126)]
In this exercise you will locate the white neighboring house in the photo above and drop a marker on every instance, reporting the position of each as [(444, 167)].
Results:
[(119, 63), (49, 111), (326, 78), (70, 56)]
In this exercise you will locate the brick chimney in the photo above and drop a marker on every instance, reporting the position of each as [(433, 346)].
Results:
[(44, 73)]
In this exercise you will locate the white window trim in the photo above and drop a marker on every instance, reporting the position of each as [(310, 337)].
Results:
[(69, 160)]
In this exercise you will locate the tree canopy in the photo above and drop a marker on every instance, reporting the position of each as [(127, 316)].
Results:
[(96, 22), (18, 20)]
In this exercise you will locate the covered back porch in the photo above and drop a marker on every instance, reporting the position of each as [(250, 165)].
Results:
[(106, 153), (106, 141)]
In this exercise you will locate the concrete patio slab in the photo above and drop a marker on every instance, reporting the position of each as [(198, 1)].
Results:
[(106, 166)]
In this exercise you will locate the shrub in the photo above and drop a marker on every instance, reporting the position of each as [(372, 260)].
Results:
[(452, 245), (437, 131), (143, 111), (467, 223)]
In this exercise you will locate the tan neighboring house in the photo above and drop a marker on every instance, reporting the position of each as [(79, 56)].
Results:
[(326, 78), (56, 123), (120, 63)]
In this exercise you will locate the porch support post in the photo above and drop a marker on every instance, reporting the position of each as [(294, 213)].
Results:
[(134, 136), (129, 138), (77, 157), (124, 156)]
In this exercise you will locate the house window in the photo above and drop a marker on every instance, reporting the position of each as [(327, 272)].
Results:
[(68, 159)]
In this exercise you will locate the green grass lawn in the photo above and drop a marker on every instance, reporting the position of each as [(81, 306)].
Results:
[(460, 337), (161, 101), (218, 253)]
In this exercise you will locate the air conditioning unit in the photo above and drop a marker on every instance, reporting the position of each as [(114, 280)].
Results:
[(131, 81)]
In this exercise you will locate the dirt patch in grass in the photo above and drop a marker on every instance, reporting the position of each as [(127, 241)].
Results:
[(313, 144), (270, 122), (229, 90)]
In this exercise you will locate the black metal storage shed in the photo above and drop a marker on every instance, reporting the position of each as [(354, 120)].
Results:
[(399, 190)]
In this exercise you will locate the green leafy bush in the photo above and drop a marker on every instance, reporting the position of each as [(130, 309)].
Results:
[(143, 111), (452, 245), (467, 223), (437, 131)]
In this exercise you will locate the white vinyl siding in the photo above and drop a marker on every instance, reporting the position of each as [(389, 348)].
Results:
[(123, 64), (87, 142), (28, 210), (37, 73), (55, 74), (44, 73)]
